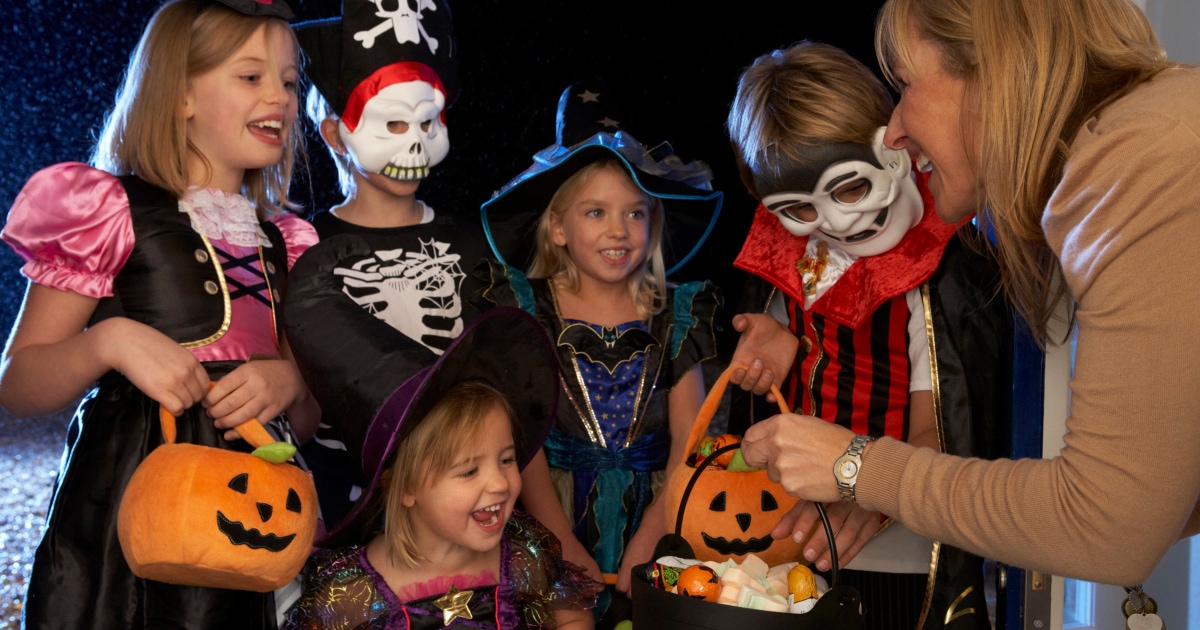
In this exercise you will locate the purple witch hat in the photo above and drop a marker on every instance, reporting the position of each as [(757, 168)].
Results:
[(505, 348)]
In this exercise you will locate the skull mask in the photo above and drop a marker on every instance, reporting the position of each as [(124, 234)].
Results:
[(400, 133), (865, 207)]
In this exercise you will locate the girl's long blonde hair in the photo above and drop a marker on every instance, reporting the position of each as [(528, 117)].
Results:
[(145, 134), (1035, 71), (647, 285)]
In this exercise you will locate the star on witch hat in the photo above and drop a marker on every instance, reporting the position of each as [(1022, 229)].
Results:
[(589, 126), (351, 58)]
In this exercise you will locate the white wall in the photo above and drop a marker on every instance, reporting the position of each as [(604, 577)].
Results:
[(1177, 23)]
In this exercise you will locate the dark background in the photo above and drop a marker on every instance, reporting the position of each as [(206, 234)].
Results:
[(673, 64)]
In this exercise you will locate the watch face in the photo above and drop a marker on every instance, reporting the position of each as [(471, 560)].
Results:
[(848, 469)]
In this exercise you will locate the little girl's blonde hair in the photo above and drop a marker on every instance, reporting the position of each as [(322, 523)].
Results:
[(429, 451), (647, 285), (145, 134)]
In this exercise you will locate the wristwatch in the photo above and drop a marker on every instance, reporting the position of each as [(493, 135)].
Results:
[(845, 469)]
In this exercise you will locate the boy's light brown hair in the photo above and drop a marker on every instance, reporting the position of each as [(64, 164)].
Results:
[(797, 99), (429, 451)]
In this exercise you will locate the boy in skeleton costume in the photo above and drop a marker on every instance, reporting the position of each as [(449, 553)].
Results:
[(893, 316), (379, 95)]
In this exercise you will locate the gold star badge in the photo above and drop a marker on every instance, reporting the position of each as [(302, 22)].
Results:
[(454, 605), (589, 96)]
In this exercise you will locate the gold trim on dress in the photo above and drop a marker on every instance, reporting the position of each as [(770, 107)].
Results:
[(271, 297), (595, 433), (951, 615), (635, 419), (928, 603), (936, 393), (228, 316), (936, 389)]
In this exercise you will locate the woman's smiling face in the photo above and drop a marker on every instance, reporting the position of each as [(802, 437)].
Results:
[(929, 121)]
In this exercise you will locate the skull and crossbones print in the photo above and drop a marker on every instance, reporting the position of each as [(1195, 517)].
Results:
[(404, 20)]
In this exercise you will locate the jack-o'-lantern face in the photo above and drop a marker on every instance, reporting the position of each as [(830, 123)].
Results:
[(744, 512), (206, 516), (729, 515), (249, 515)]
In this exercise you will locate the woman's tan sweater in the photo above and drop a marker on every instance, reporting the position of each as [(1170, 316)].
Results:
[(1125, 224)]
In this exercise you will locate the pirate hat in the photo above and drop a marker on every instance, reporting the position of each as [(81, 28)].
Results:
[(261, 8), (351, 58), (588, 128)]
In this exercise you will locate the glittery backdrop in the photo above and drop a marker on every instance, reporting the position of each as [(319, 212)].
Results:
[(674, 64)]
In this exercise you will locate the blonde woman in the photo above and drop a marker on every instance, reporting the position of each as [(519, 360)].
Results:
[(1063, 124)]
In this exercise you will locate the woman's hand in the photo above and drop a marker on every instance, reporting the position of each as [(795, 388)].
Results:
[(798, 453), (255, 389), (853, 528), (767, 347)]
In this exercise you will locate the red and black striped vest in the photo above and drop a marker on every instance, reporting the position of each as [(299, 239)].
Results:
[(855, 377)]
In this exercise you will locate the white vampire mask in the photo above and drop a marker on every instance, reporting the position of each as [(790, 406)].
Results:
[(400, 133), (862, 208)]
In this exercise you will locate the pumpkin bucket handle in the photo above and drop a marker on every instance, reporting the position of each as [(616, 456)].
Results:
[(250, 430), (713, 401), (702, 466)]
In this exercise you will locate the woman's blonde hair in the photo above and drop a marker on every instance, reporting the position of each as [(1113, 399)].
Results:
[(647, 285), (145, 134), (1035, 71), (803, 96), (432, 448)]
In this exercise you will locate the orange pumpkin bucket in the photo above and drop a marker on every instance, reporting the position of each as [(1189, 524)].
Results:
[(203, 516), (730, 514)]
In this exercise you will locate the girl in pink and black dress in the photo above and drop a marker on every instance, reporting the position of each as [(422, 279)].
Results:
[(154, 280)]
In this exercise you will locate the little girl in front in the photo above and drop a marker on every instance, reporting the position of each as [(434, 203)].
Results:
[(154, 277), (629, 344), (434, 540)]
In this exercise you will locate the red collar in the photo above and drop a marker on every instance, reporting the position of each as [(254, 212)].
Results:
[(771, 252)]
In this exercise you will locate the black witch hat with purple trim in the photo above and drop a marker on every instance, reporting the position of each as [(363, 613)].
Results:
[(505, 348)]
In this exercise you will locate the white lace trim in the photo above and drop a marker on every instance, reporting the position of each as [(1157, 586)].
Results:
[(224, 216)]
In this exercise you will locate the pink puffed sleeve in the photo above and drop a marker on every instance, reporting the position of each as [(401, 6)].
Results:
[(71, 225), (298, 234)]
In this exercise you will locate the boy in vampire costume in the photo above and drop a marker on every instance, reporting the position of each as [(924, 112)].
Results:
[(901, 331), (381, 83)]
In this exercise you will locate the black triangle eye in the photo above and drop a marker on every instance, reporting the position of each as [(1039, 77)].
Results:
[(718, 503), (768, 502), (293, 501), (240, 483)]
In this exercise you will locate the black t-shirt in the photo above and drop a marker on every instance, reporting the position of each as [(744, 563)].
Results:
[(418, 278)]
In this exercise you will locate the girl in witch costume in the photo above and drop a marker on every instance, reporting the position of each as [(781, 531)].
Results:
[(434, 541), (880, 305), (153, 277), (629, 344)]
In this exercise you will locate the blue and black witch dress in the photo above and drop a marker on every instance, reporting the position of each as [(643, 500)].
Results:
[(609, 447)]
